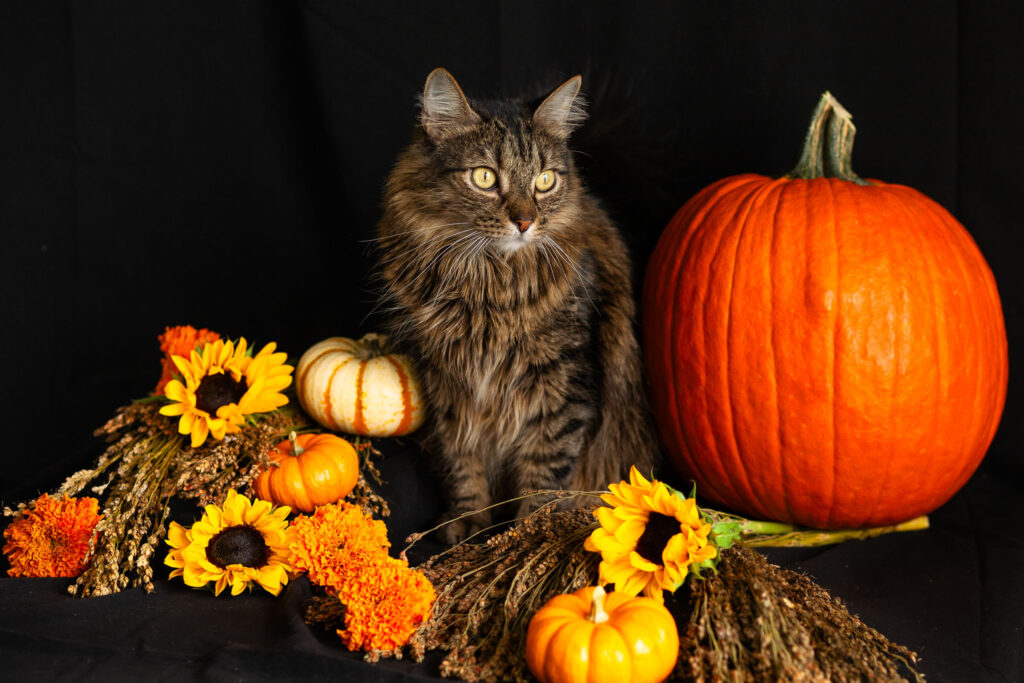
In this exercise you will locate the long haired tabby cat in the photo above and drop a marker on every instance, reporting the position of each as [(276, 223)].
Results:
[(511, 289)]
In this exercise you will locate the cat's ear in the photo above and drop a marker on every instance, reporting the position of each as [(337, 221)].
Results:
[(445, 108), (563, 110)]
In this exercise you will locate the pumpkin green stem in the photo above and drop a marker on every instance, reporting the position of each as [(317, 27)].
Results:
[(297, 450), (597, 614), (828, 145)]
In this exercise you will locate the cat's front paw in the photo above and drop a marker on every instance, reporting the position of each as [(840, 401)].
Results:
[(461, 528)]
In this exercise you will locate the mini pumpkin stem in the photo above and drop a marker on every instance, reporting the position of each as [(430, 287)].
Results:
[(297, 450), (372, 345), (597, 614), (828, 145)]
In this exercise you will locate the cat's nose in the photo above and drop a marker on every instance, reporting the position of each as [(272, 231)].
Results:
[(524, 223)]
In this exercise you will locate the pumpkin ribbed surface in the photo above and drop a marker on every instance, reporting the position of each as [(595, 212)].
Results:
[(314, 470), (823, 352), (353, 386), (635, 639)]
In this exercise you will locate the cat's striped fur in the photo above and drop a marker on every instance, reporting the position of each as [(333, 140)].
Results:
[(524, 338)]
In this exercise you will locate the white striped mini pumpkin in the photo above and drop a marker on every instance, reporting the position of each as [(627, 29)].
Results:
[(355, 386)]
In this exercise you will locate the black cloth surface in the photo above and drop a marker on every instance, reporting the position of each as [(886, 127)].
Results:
[(221, 165)]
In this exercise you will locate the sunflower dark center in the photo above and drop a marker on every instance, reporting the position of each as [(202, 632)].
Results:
[(218, 390), (660, 528), (240, 544)]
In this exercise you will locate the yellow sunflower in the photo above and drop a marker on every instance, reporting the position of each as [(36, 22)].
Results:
[(222, 385), (649, 537), (241, 542)]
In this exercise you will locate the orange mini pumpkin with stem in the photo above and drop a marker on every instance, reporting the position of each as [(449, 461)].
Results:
[(314, 470), (590, 637)]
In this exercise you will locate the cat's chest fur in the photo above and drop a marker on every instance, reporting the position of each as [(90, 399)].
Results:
[(504, 353)]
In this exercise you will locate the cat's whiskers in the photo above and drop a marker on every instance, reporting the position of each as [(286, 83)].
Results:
[(568, 261), (544, 252), (420, 247), (444, 250), (409, 232), (386, 293), (473, 246)]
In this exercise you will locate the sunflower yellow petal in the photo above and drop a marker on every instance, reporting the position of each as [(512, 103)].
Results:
[(199, 432), (625, 512), (655, 592), (176, 391), (630, 532), (235, 507), (268, 349), (257, 510), (177, 536), (608, 518), (637, 479), (633, 584), (218, 427), (186, 423), (638, 561), (213, 519), (606, 544), (174, 409), (174, 559), (238, 586), (194, 576)]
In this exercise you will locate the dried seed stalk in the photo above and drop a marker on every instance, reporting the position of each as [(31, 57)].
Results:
[(487, 592), (750, 621), (754, 621), (146, 463)]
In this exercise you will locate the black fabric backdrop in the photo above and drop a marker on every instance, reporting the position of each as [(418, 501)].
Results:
[(220, 164)]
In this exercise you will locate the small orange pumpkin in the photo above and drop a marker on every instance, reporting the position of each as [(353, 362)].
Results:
[(590, 636), (314, 469)]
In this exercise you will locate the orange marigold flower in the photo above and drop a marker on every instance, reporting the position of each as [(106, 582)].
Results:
[(336, 543), (51, 538), (390, 603), (346, 552), (180, 341)]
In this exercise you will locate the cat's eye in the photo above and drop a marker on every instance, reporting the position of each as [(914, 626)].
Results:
[(484, 178), (546, 180)]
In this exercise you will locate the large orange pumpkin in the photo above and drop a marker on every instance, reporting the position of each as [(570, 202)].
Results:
[(821, 349)]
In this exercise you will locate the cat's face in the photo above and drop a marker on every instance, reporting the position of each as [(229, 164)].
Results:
[(507, 180), (499, 177)]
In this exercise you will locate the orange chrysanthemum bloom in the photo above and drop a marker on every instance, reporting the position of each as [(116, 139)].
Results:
[(336, 543), (180, 341), (52, 537), (388, 606), (346, 552)]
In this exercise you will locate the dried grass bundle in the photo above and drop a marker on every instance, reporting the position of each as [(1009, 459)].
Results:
[(749, 621), (147, 462), (487, 592), (754, 621)]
